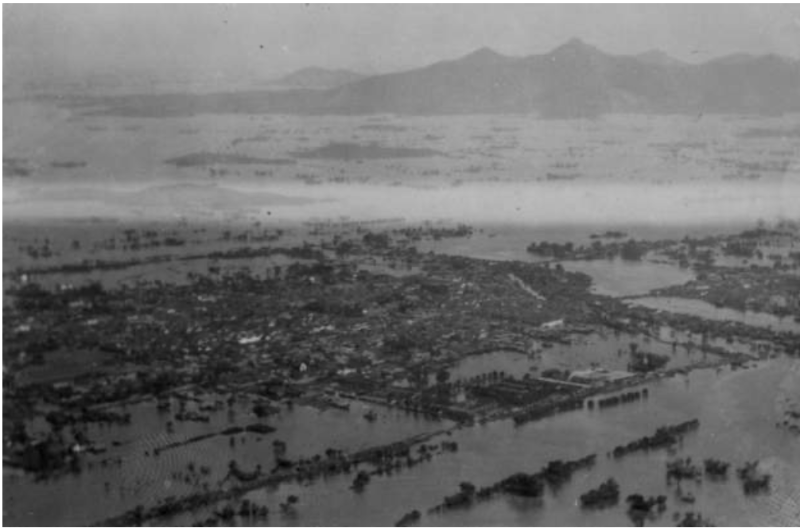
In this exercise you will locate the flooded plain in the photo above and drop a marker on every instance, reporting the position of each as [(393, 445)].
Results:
[(489, 172), (131, 473), (729, 404)]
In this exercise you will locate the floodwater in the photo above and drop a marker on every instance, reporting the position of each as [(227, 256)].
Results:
[(725, 410), (737, 413), (171, 272), (607, 349), (617, 278), (709, 311), (143, 478), (612, 351), (509, 241)]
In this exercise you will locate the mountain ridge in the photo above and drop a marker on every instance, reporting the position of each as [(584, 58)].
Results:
[(577, 79), (573, 80)]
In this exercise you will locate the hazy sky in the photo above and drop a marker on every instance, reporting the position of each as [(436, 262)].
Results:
[(205, 41)]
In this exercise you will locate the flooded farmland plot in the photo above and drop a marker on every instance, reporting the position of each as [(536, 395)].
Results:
[(158, 456), (272, 266)]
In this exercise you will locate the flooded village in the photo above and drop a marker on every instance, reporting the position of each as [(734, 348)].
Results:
[(213, 390), (547, 282)]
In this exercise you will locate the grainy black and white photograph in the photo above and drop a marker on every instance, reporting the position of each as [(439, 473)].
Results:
[(401, 265)]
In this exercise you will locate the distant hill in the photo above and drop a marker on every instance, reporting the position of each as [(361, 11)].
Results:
[(318, 78), (574, 80)]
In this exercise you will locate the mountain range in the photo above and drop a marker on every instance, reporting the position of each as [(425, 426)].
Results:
[(573, 80)]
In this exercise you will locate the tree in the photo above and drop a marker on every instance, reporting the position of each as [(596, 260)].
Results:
[(467, 488), (138, 515), (631, 251)]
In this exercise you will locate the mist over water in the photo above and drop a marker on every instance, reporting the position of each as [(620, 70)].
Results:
[(589, 204), (526, 204)]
